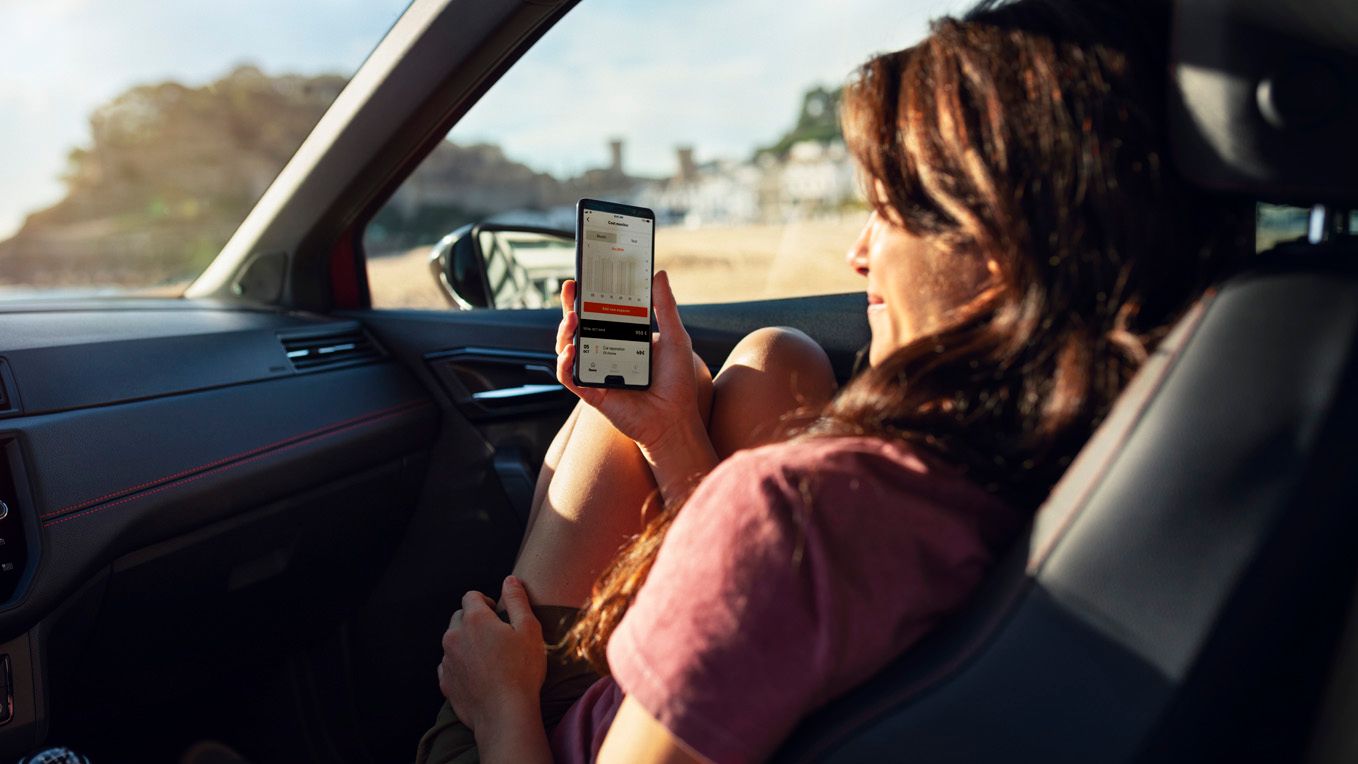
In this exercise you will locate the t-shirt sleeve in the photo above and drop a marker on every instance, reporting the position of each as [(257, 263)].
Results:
[(772, 593)]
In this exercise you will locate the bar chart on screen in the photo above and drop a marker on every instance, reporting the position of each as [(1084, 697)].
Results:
[(614, 278)]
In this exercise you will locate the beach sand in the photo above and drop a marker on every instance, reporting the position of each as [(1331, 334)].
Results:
[(706, 265)]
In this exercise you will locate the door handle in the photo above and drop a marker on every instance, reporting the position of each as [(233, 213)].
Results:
[(522, 393), (491, 382)]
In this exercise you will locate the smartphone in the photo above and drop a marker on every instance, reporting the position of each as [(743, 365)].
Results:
[(614, 267)]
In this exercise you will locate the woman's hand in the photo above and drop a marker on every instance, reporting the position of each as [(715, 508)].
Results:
[(663, 420), (492, 671)]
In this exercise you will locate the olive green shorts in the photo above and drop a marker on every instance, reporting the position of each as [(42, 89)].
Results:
[(450, 741)]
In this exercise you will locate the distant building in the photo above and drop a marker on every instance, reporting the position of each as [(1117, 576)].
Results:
[(809, 178), (710, 194), (814, 179), (817, 178)]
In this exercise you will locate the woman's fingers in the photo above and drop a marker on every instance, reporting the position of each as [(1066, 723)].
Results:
[(565, 332), (567, 297), (565, 358), (474, 602), (565, 361), (517, 605), (666, 309)]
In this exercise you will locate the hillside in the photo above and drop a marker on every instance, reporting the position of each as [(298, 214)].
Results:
[(170, 171), (818, 121)]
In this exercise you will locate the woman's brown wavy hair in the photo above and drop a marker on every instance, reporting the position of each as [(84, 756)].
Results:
[(1031, 135)]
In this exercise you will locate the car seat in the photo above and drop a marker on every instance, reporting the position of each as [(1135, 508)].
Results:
[(1180, 595)]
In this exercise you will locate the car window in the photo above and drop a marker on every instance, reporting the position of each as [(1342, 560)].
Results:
[(138, 134), (720, 116), (1276, 223)]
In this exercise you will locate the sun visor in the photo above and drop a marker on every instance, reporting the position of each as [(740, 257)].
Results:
[(1265, 97)]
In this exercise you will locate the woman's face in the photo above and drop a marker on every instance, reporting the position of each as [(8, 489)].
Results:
[(912, 286)]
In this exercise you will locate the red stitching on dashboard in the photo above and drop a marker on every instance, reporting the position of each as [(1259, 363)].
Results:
[(236, 459)]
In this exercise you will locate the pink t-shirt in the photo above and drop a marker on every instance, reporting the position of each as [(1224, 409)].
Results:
[(794, 573)]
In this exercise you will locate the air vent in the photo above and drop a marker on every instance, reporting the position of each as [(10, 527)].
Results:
[(9, 395), (329, 350)]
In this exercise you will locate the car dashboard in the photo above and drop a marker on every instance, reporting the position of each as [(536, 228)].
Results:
[(176, 480)]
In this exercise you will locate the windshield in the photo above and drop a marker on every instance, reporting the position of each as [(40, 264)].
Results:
[(138, 134)]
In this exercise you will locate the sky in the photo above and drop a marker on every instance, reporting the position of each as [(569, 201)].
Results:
[(723, 76)]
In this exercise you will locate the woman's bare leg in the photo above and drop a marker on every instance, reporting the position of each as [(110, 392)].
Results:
[(594, 482), (589, 499)]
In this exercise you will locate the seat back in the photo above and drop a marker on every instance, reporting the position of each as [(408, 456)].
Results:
[(1219, 491)]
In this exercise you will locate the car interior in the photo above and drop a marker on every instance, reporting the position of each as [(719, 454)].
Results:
[(247, 515)]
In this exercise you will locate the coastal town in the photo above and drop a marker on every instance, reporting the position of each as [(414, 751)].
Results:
[(806, 175)]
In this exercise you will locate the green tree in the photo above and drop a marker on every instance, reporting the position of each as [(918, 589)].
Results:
[(817, 121)]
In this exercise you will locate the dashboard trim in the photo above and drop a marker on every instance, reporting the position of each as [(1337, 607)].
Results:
[(132, 493)]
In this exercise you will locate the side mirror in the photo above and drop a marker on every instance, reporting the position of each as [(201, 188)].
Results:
[(490, 265)]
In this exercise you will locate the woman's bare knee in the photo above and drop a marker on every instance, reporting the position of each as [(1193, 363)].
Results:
[(770, 374), (784, 351), (771, 340)]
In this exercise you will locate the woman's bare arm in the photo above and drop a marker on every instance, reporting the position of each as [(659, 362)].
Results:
[(635, 737)]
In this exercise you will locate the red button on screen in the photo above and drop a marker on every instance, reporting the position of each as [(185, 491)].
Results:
[(617, 310)]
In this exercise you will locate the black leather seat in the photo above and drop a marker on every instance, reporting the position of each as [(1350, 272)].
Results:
[(1209, 519), (1180, 593)]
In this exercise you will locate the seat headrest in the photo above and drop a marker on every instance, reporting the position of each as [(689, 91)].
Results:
[(1264, 98)]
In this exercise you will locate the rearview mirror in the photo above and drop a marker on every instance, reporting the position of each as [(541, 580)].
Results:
[(490, 265)]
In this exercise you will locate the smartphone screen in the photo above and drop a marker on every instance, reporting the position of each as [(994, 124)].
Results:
[(614, 264)]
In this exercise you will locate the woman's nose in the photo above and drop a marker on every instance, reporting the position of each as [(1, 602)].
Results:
[(857, 256)]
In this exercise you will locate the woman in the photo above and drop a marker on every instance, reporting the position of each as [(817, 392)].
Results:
[(1026, 250)]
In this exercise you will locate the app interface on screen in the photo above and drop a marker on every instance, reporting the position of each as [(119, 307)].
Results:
[(615, 297)]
